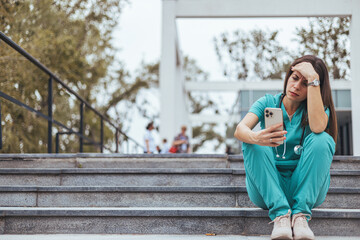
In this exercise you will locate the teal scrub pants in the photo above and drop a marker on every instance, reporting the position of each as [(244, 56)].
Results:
[(298, 185)]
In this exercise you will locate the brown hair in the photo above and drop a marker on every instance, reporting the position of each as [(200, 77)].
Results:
[(325, 89), (150, 124)]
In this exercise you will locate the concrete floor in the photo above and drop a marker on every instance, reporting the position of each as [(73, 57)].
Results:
[(148, 237)]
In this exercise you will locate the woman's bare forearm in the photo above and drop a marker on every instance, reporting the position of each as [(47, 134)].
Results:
[(266, 137), (316, 113), (244, 134)]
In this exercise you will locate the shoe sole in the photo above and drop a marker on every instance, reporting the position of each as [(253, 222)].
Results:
[(282, 238)]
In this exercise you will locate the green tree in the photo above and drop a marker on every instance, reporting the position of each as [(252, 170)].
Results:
[(328, 38), (256, 54), (73, 39), (126, 94)]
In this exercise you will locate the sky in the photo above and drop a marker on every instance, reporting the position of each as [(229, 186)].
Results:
[(138, 36)]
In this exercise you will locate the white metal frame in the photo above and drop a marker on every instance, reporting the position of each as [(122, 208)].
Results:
[(243, 85), (173, 112)]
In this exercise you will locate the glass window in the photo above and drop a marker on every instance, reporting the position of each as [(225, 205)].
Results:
[(244, 100), (258, 94), (334, 96), (343, 99)]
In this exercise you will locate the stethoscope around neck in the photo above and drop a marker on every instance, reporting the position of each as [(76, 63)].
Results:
[(298, 148)]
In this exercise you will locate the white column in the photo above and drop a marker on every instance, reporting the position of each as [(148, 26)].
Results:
[(168, 77), (179, 100), (181, 113), (355, 76)]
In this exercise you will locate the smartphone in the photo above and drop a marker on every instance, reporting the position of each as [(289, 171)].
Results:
[(272, 117)]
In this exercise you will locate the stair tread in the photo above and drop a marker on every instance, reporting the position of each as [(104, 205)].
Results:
[(335, 158), (194, 189), (150, 237), (165, 211), (143, 170), (108, 155)]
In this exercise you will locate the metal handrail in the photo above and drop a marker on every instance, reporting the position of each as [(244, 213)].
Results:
[(50, 119)]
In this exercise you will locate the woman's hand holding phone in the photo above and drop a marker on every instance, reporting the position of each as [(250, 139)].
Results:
[(270, 136)]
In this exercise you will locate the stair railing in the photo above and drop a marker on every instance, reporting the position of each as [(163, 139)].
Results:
[(49, 117)]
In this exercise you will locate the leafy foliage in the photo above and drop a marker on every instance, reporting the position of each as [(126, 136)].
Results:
[(251, 55), (72, 39), (128, 94), (328, 38)]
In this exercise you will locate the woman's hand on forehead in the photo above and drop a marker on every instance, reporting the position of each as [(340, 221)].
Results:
[(298, 74), (306, 70)]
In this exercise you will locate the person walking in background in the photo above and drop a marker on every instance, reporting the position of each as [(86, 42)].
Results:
[(228, 150), (158, 149), (181, 142), (165, 147), (149, 142), (288, 172)]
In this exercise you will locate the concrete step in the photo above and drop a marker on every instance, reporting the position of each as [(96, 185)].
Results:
[(150, 237), (338, 163), (120, 177), (222, 196), (227, 221), (96, 160), (146, 177)]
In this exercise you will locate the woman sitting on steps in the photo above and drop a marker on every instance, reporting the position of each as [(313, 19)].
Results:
[(291, 179)]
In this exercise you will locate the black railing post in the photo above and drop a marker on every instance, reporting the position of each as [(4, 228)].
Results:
[(81, 130), (102, 135), (116, 140), (0, 128), (50, 114), (57, 143)]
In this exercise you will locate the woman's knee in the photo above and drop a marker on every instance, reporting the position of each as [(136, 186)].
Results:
[(318, 152), (323, 192), (254, 195), (320, 142), (256, 154), (251, 149)]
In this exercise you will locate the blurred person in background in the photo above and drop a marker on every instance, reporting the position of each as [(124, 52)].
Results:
[(181, 142), (149, 142), (165, 147)]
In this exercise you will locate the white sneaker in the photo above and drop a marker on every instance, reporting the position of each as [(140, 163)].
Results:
[(282, 227), (301, 227)]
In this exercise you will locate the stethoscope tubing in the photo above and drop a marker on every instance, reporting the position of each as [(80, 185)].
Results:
[(298, 148)]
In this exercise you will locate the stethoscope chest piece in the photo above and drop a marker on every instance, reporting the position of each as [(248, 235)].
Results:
[(298, 149)]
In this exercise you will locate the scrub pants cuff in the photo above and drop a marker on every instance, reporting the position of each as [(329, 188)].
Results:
[(304, 212), (279, 213)]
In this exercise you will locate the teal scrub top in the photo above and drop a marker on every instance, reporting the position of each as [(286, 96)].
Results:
[(293, 128)]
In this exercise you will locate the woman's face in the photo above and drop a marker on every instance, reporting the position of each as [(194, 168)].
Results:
[(296, 88)]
